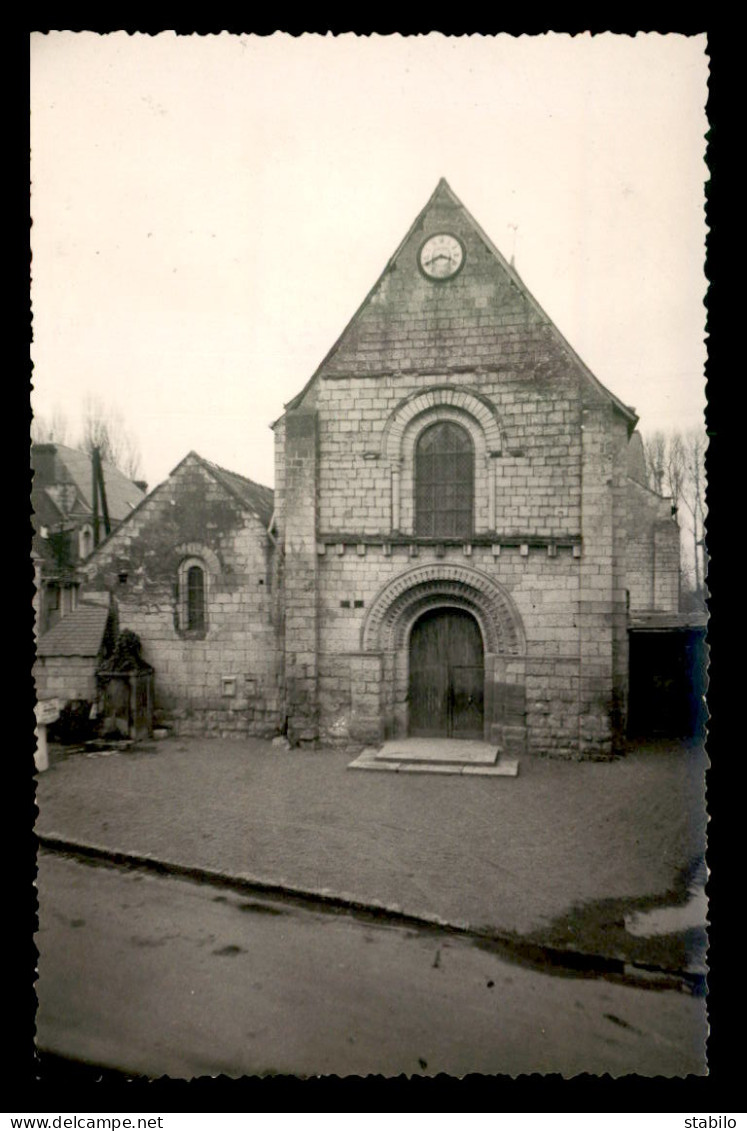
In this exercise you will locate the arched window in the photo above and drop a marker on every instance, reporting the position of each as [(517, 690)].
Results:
[(85, 541), (195, 598), (444, 482), (193, 592)]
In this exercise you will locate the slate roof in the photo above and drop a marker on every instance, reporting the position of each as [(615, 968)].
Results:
[(74, 466), (253, 496), (46, 510), (47, 514), (259, 499), (80, 633)]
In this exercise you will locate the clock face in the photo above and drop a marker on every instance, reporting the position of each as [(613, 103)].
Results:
[(441, 256)]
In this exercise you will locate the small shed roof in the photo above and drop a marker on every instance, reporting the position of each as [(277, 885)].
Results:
[(81, 633), (654, 621)]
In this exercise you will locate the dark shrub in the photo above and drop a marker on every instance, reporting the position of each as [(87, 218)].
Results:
[(74, 724)]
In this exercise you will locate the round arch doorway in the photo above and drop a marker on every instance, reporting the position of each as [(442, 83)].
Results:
[(446, 676)]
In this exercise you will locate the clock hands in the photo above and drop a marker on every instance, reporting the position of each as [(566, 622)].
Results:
[(441, 257)]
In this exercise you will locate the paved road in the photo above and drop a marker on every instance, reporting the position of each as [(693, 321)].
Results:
[(167, 977)]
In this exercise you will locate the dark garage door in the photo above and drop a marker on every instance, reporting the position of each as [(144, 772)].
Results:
[(667, 680)]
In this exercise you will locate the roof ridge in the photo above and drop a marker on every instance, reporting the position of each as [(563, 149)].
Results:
[(263, 500), (237, 474), (530, 298), (62, 448), (294, 401), (79, 633)]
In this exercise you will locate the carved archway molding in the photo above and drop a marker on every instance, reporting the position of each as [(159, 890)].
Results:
[(455, 397), (461, 405), (196, 550), (401, 601)]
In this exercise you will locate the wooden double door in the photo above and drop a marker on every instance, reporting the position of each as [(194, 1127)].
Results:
[(447, 676)]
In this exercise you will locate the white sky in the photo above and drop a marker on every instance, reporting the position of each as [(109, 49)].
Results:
[(209, 212)]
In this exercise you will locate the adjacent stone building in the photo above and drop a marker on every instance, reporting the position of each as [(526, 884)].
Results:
[(191, 572), (459, 537), (62, 500), (69, 655)]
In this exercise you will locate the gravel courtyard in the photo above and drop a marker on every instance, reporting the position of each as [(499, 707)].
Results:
[(515, 855)]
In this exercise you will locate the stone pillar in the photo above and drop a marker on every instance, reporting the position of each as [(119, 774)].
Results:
[(47, 711), (366, 723), (505, 703), (492, 472), (620, 643), (41, 757), (597, 630), (396, 520), (301, 568)]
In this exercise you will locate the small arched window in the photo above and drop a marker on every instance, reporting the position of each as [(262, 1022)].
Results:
[(193, 596), (85, 541), (444, 482)]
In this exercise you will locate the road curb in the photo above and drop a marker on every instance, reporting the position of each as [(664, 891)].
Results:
[(516, 948)]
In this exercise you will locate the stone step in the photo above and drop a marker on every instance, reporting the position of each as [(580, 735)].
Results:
[(435, 750), (505, 766)]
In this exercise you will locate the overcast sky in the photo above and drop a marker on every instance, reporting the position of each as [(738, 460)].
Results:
[(209, 212)]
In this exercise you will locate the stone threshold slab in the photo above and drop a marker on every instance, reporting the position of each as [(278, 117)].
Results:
[(452, 750), (506, 767)]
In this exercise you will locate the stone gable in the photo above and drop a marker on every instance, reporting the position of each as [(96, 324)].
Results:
[(222, 676), (548, 528)]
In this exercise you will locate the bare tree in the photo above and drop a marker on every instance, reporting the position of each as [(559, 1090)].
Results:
[(52, 429), (104, 428), (655, 452), (675, 462), (692, 497)]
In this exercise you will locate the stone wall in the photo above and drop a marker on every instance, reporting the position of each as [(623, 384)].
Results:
[(652, 551), (300, 576), (602, 612), (227, 679), (65, 678), (530, 483), (543, 584)]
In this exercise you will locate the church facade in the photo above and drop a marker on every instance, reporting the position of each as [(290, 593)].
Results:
[(453, 504), (459, 537)]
